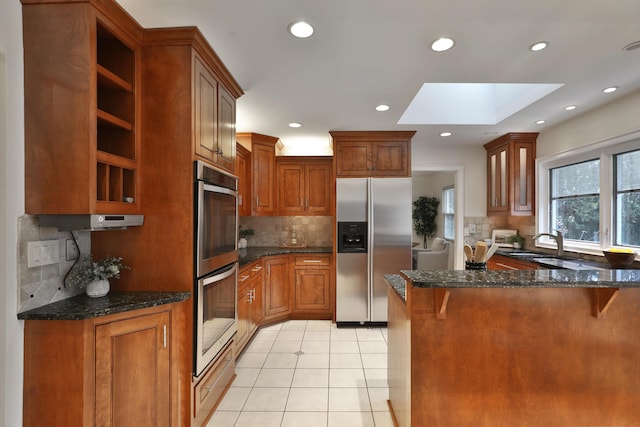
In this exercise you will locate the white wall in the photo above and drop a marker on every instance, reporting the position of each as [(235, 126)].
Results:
[(11, 207), (470, 159), (612, 120)]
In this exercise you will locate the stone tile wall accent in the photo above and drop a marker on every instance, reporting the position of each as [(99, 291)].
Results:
[(38, 286), (277, 230)]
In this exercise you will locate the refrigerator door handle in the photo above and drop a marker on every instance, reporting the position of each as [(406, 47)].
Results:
[(370, 248)]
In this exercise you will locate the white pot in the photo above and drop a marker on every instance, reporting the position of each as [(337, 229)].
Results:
[(98, 288), (516, 245), (242, 243)]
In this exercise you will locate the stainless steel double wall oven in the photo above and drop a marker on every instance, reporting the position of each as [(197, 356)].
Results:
[(216, 262)]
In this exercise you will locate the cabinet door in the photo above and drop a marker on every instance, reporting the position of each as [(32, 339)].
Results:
[(318, 185), (256, 285), (291, 188), (277, 294), (132, 371), (226, 151), (263, 160), (391, 158), (523, 178), (206, 112), (243, 168), (497, 179), (353, 159), (311, 290)]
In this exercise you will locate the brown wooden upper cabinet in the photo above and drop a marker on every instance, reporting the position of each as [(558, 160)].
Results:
[(372, 153), (215, 117), (511, 174), (263, 174), (243, 171), (304, 185), (82, 108)]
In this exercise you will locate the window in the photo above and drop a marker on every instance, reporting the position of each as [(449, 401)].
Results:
[(448, 211), (627, 196), (575, 200), (592, 195)]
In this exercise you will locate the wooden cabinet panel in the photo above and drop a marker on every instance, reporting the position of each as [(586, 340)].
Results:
[(304, 185), (243, 171), (206, 111), (262, 171), (132, 371), (82, 90), (226, 129), (312, 285), (511, 174), (500, 262), (277, 292), (110, 370), (250, 286), (372, 153)]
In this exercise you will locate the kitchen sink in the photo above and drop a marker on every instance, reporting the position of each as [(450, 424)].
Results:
[(524, 253), (569, 265)]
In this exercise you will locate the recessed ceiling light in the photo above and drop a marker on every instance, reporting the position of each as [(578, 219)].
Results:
[(300, 29), (295, 125), (538, 46), (445, 134), (541, 122), (382, 107), (442, 44), (570, 107), (610, 89)]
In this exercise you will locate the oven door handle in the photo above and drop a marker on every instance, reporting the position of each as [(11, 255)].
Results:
[(220, 276), (216, 189)]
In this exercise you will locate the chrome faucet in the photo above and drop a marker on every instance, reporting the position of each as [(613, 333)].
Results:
[(557, 237)]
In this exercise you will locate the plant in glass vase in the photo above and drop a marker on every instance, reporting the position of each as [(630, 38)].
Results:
[(242, 243), (95, 275)]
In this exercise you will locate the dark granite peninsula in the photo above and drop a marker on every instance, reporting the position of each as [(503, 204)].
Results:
[(514, 348)]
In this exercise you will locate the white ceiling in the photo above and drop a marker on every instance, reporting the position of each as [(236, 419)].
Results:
[(368, 52)]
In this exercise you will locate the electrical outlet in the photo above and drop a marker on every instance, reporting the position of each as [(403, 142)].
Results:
[(72, 252), (472, 228), (41, 253)]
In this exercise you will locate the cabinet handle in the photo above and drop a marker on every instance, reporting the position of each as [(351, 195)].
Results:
[(306, 205), (239, 199), (508, 267), (164, 336), (257, 201), (257, 268), (243, 278), (312, 260), (250, 300)]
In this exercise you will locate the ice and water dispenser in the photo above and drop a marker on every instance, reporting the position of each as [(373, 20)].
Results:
[(352, 237)]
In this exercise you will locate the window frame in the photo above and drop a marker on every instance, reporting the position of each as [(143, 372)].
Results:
[(446, 214), (605, 152)]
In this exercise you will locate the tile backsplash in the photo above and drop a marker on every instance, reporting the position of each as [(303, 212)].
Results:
[(38, 286), (278, 230)]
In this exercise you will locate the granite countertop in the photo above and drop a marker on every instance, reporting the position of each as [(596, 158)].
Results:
[(254, 253), (82, 307), (398, 283), (546, 260), (524, 278)]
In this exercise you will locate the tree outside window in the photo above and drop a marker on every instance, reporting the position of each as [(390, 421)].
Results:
[(627, 197)]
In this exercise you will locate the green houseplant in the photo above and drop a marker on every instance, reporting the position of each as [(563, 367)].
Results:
[(516, 240), (425, 211), (95, 275)]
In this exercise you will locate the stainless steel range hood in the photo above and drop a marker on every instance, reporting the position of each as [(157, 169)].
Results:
[(90, 222)]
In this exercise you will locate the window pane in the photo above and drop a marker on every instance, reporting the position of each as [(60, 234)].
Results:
[(576, 179), (628, 219), (448, 200), (627, 166), (577, 218)]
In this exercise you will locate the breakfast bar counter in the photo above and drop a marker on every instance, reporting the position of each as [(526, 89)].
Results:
[(514, 348)]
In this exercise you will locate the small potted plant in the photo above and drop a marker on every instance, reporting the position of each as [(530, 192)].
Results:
[(242, 243), (95, 275), (516, 240)]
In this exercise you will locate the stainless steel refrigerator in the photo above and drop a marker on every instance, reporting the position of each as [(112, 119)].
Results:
[(373, 239)]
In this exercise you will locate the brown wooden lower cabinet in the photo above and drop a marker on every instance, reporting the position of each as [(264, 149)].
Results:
[(106, 371), (277, 291), (212, 384), (250, 286), (312, 286), (521, 356)]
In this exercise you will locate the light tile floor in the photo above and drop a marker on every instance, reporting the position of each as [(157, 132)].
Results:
[(309, 374)]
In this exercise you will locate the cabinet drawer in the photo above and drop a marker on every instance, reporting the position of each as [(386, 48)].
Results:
[(312, 260), (210, 388)]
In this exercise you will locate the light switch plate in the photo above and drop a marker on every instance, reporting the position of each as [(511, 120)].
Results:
[(43, 252), (472, 228)]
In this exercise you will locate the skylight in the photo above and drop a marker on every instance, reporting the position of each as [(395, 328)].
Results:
[(472, 103)]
